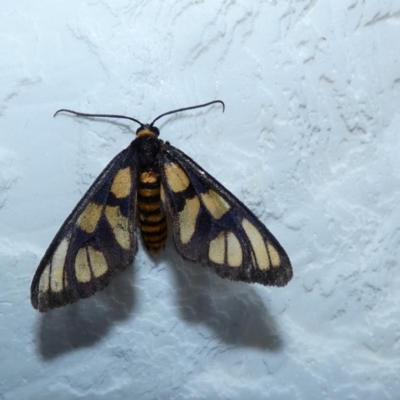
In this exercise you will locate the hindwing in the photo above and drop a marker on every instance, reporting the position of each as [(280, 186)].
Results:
[(97, 239), (212, 226)]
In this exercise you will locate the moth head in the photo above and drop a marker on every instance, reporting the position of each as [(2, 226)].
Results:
[(147, 130)]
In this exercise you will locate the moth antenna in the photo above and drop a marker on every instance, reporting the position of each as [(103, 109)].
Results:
[(189, 108), (81, 114)]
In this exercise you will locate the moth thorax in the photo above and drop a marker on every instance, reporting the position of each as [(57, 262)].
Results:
[(153, 224)]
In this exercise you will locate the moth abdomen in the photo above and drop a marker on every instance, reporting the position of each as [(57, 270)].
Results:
[(152, 221)]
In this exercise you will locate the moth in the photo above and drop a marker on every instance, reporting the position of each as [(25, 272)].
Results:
[(145, 185)]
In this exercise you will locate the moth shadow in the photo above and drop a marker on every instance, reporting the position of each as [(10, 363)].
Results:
[(88, 321), (233, 310)]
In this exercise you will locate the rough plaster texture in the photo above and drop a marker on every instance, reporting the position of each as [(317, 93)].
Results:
[(309, 140)]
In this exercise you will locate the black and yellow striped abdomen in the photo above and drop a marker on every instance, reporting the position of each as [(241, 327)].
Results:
[(153, 224)]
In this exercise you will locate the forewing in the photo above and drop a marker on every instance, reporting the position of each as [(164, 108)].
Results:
[(96, 240), (211, 225)]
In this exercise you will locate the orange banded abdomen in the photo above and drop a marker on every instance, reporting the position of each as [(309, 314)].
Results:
[(153, 224)]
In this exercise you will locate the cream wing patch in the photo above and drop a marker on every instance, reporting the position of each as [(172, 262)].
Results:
[(89, 263), (177, 179), (44, 283), (273, 255), (216, 251), (119, 225), (97, 262), (188, 218), (226, 249), (121, 185), (53, 276), (215, 204), (90, 216), (162, 194), (235, 254), (82, 268), (257, 243)]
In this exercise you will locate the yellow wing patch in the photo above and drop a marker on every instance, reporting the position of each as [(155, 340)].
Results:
[(121, 185), (215, 204)]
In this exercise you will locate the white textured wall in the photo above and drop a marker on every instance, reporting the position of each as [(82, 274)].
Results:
[(310, 140)]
